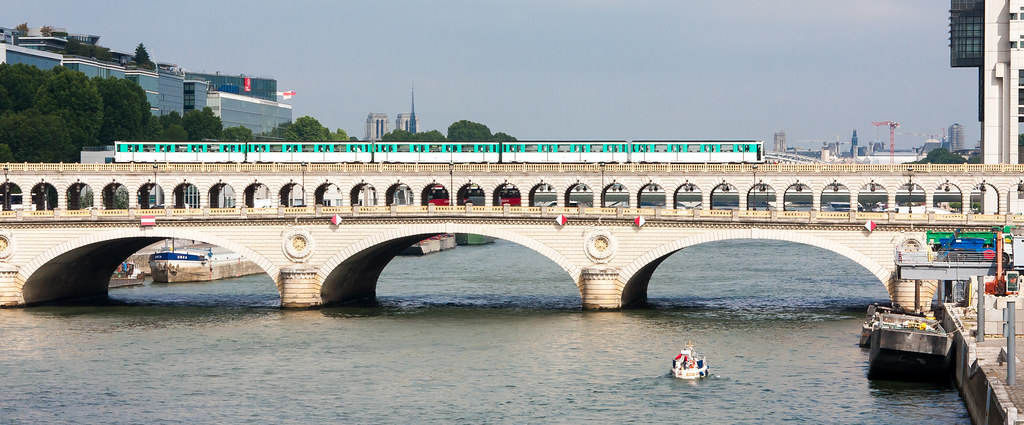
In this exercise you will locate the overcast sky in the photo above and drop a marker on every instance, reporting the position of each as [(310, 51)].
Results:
[(570, 69)]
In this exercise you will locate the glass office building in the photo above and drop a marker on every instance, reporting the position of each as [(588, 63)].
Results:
[(260, 116), (150, 83), (258, 87), (13, 54), (94, 68), (171, 89), (195, 95)]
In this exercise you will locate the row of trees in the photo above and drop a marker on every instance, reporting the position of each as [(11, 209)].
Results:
[(459, 131)]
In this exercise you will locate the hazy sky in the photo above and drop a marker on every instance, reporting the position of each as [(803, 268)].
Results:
[(572, 69)]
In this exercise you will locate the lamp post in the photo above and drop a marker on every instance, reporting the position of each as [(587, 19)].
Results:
[(303, 184), (451, 182), (7, 191), (601, 164), (910, 187), (756, 187), (154, 187)]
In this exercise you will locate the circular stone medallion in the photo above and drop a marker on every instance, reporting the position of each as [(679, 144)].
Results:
[(600, 245), (6, 243), (298, 244)]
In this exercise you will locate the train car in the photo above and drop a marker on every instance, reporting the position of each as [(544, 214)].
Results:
[(656, 151)]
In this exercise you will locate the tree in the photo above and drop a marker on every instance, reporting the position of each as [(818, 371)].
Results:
[(23, 27), (46, 31), (502, 137), (238, 134), (202, 125), (5, 153), (174, 133), (34, 137), (430, 136), (941, 156), (125, 110), (71, 96), (468, 131), (398, 136), (306, 128), (21, 82), (340, 135), (142, 56), (170, 119)]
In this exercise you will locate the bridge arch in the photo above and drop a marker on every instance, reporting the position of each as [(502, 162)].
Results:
[(634, 278), (351, 274), (82, 267)]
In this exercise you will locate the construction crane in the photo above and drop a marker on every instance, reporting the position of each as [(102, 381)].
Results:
[(892, 137)]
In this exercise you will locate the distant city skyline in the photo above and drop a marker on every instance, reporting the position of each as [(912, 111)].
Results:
[(573, 70)]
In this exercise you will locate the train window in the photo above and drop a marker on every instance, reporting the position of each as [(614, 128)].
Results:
[(661, 148), (725, 148), (436, 148), (565, 148), (531, 148), (692, 148)]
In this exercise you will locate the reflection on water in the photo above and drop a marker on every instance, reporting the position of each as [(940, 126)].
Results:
[(468, 336)]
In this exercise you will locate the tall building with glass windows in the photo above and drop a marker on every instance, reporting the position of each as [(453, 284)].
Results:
[(989, 35), (259, 115), (956, 137), (171, 89), (195, 94), (377, 126), (12, 54), (258, 87), (150, 83)]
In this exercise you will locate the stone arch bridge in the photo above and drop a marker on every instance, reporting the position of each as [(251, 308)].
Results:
[(54, 255)]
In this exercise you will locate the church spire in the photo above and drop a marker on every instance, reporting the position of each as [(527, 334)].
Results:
[(412, 113)]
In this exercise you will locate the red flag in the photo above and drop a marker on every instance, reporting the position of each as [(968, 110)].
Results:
[(148, 220), (561, 220), (639, 221), (870, 225), (336, 219)]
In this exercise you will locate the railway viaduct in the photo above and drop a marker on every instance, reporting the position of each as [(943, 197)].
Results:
[(56, 247)]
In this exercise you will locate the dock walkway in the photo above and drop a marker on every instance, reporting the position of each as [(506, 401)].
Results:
[(980, 370)]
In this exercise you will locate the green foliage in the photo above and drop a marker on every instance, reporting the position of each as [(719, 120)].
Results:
[(468, 131), (430, 136), (976, 159), (75, 47), (202, 125), (23, 27), (72, 97), (502, 137), (170, 119), (307, 128), (238, 134), (125, 110), (20, 82), (941, 156), (34, 137), (142, 57), (405, 136), (5, 153), (397, 136), (174, 133), (339, 135)]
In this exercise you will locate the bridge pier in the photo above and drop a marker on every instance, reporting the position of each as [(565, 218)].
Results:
[(600, 289), (912, 295), (299, 287), (10, 291)]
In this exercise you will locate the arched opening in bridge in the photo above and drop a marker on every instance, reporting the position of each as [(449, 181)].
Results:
[(615, 195), (465, 276), (688, 196), (652, 195), (257, 195), (222, 195), (472, 193), (798, 197), (985, 199), (44, 197), (87, 271), (507, 194), (435, 194), (79, 196), (761, 197), (579, 194), (150, 196), (948, 197), (399, 194), (873, 197), (12, 196), (292, 195), (543, 195), (743, 275), (186, 195), (329, 195), (364, 195), (725, 197), (836, 197), (910, 198), (1015, 197), (115, 196)]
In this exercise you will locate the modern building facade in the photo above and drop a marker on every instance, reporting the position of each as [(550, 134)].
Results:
[(989, 35), (150, 83), (257, 87), (93, 68), (259, 115), (12, 54), (195, 94), (956, 137), (377, 126), (780, 141), (171, 89)]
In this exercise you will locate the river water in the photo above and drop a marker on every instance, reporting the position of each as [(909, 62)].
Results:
[(489, 334)]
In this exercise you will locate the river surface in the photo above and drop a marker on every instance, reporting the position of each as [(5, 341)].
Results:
[(488, 334)]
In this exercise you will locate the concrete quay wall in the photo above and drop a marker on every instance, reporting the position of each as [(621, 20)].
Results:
[(977, 375)]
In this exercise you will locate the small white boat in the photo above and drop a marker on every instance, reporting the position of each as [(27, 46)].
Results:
[(689, 364)]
